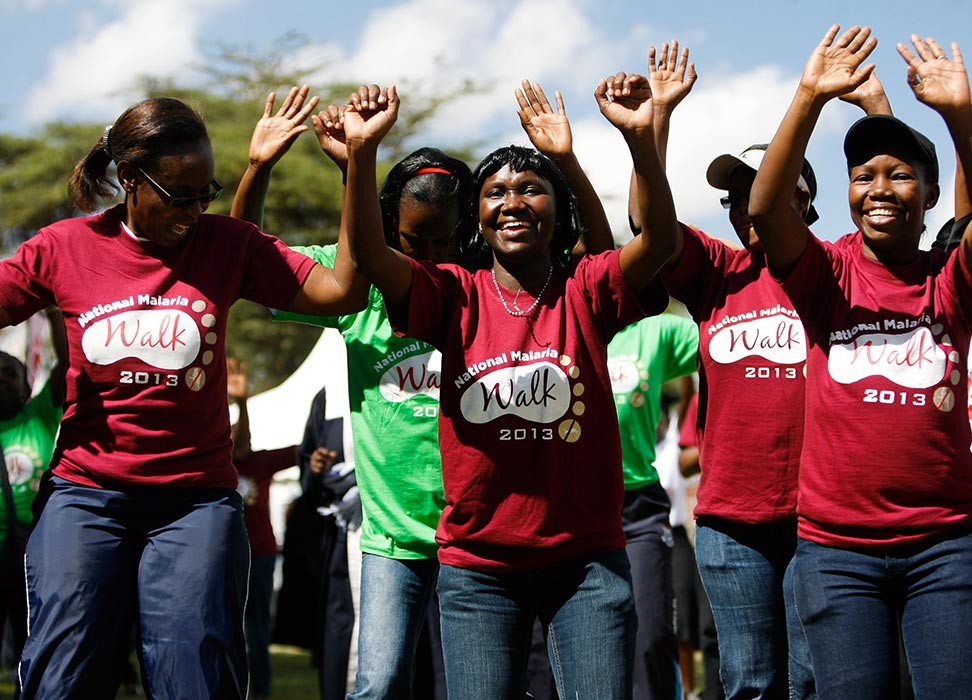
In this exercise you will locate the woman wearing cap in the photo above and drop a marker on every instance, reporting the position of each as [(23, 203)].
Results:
[(141, 515), (751, 371), (885, 514)]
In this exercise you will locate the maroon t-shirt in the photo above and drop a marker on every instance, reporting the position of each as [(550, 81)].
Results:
[(531, 457), (752, 358), (146, 328), (886, 458), (256, 473)]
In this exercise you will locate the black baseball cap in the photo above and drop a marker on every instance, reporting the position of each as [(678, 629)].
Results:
[(875, 130)]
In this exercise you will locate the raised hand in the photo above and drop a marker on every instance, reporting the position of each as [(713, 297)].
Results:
[(237, 387), (275, 133), (671, 78), (834, 67), (370, 114), (549, 131), (329, 127), (937, 81), (625, 101)]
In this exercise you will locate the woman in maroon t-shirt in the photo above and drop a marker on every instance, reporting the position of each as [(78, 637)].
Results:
[(526, 531), (141, 515), (885, 488)]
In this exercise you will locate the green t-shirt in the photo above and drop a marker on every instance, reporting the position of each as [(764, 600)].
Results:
[(28, 443), (393, 391), (641, 358)]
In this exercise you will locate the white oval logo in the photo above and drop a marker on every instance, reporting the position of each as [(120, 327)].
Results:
[(418, 374), (167, 339), (538, 392)]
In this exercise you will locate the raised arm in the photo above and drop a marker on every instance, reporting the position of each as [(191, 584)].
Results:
[(625, 101), (370, 115), (834, 69), (273, 136), (549, 132), (340, 287), (670, 78), (942, 83)]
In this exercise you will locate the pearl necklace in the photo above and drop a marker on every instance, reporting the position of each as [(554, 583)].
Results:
[(518, 311)]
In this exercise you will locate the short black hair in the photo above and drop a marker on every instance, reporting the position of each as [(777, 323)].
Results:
[(521, 159)]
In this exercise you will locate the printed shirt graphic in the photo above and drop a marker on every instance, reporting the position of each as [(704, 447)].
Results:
[(641, 358), (146, 327), (752, 378), (393, 387), (886, 458), (531, 457), (28, 442)]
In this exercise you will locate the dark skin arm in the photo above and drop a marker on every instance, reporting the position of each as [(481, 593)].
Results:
[(942, 83), (834, 68), (550, 133), (626, 102), (670, 78), (327, 291), (370, 115)]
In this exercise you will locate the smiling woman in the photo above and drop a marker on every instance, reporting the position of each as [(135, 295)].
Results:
[(142, 508), (885, 516), (525, 397)]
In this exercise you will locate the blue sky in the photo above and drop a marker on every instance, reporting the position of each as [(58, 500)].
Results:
[(71, 59)]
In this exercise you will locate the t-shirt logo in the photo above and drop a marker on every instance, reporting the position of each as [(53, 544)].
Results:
[(625, 375), (913, 360), (20, 465), (778, 338), (418, 374), (163, 338), (539, 393)]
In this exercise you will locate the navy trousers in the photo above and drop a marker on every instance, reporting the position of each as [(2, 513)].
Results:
[(174, 559)]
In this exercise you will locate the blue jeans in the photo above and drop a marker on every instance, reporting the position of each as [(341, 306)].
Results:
[(747, 574), (176, 557), (394, 605), (851, 602), (256, 622), (587, 611)]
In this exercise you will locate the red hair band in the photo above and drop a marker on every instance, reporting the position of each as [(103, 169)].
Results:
[(431, 170)]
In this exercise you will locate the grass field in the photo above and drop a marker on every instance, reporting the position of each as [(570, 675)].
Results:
[(293, 676)]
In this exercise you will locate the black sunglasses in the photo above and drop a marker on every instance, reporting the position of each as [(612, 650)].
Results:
[(732, 199), (184, 202)]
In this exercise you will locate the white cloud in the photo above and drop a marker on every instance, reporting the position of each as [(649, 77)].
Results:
[(92, 76)]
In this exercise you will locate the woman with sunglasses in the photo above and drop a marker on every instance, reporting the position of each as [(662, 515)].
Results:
[(141, 515)]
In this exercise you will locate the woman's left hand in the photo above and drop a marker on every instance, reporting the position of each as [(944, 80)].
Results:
[(937, 81), (625, 101), (274, 134)]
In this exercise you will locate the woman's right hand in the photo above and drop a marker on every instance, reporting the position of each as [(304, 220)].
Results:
[(370, 114), (834, 67)]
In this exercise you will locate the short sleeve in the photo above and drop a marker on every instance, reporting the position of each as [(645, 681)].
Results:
[(431, 299), (26, 279), (699, 269), (273, 273), (683, 346), (322, 255), (616, 304)]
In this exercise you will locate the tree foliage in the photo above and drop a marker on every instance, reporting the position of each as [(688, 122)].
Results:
[(303, 205)]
